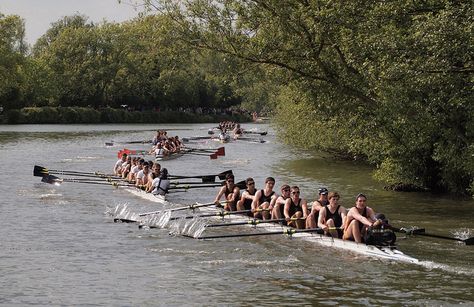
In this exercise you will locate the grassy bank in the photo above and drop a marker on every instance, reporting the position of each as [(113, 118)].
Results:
[(77, 115)]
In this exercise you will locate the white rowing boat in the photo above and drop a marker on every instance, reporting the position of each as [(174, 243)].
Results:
[(170, 156), (384, 252), (161, 199)]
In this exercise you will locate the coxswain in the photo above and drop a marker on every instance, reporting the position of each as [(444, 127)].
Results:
[(316, 206), (359, 219), (264, 200), (245, 202), (296, 209), (331, 217), (279, 206), (161, 184), (231, 193)]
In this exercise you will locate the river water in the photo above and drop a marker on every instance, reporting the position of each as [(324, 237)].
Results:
[(60, 247)]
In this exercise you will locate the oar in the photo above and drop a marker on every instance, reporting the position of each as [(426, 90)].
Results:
[(56, 180), (254, 140), (132, 152), (252, 222), (286, 231), (192, 207), (92, 179), (196, 138), (187, 187), (256, 132), (210, 155), (221, 176), (218, 151), (40, 171), (51, 179), (187, 207), (216, 214), (421, 232), (112, 143)]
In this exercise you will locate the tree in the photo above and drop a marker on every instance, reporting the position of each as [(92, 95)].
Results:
[(12, 56), (392, 79)]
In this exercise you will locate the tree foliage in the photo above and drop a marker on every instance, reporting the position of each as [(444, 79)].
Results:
[(387, 81), (12, 56)]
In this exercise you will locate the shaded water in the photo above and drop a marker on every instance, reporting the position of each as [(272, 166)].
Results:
[(58, 247)]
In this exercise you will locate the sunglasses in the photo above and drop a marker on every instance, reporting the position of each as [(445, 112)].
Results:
[(251, 183)]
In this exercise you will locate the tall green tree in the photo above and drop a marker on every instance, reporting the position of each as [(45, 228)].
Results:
[(12, 55), (390, 82)]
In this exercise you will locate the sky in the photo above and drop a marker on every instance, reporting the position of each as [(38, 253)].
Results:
[(39, 14)]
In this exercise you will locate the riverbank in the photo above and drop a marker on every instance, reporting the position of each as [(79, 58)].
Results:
[(79, 115)]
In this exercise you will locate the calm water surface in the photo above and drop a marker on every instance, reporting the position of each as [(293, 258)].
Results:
[(59, 247)]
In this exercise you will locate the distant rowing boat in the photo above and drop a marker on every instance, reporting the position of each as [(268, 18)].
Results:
[(383, 252), (170, 156)]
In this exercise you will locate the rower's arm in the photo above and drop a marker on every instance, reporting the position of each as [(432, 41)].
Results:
[(286, 210), (273, 201), (322, 219), (304, 206), (255, 203), (236, 194), (219, 195), (356, 215)]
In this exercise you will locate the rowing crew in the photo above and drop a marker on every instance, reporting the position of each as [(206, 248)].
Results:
[(147, 175), (165, 146), (359, 223)]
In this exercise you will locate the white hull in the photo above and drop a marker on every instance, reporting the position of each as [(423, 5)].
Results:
[(391, 253), (161, 199), (168, 157)]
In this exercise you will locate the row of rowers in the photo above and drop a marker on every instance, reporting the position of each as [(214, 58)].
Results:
[(146, 175), (294, 211), (164, 145)]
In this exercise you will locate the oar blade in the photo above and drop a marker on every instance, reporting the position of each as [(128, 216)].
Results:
[(39, 171), (213, 156), (241, 184), (469, 241), (208, 179), (220, 151), (223, 175)]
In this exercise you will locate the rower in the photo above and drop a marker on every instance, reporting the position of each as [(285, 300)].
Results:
[(359, 219), (245, 202), (142, 176), (156, 138), (161, 184), (119, 163), (296, 208), (237, 131), (331, 217), (279, 207), (132, 176), (231, 193), (155, 173), (264, 199), (126, 166), (316, 206)]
